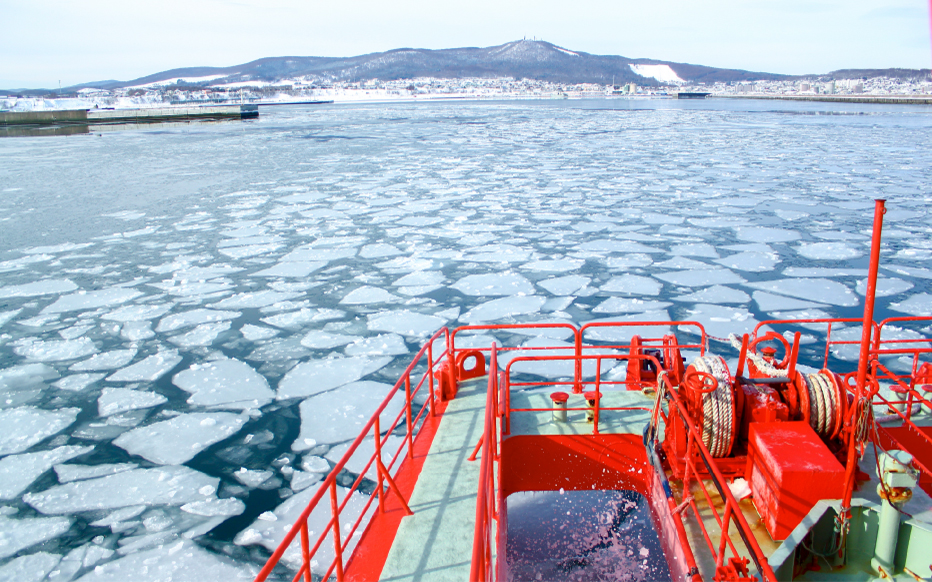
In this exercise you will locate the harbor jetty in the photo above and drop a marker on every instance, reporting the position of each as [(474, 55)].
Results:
[(85, 117)]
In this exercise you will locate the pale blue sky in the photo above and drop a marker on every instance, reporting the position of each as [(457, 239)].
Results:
[(44, 41)]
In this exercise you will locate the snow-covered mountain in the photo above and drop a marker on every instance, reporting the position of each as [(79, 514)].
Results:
[(528, 59)]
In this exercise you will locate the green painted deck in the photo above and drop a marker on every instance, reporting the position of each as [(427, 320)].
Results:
[(436, 542)]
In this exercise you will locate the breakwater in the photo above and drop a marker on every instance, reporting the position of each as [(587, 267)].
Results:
[(107, 116), (887, 99)]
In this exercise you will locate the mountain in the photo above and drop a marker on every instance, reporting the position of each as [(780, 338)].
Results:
[(523, 59)]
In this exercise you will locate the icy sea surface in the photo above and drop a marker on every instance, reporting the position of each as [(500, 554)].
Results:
[(194, 319)]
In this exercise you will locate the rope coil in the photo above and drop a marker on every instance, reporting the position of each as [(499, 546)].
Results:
[(718, 409), (762, 365)]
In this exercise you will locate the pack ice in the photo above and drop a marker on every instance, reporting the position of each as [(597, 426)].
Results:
[(224, 384), (179, 439)]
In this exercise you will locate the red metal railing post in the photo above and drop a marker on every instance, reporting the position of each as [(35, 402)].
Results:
[(577, 368), (378, 468), (430, 374), (337, 545), (410, 434), (869, 294), (726, 520), (598, 395), (306, 552)]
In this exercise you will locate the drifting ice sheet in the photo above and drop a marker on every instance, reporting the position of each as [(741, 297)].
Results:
[(317, 376), (823, 290), (633, 285), (502, 308), (494, 284), (225, 384), (194, 317), (701, 277), (179, 439), (105, 361), (339, 415), (55, 350), (17, 472), (178, 561), (27, 425), (406, 323), (159, 486), (92, 300), (47, 287), (17, 534), (919, 304), (148, 370), (116, 400)]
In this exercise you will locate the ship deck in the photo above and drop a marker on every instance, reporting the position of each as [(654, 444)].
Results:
[(436, 542)]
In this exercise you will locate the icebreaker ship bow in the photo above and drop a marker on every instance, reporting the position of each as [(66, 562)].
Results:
[(793, 465)]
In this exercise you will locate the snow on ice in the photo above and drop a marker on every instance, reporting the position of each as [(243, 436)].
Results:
[(315, 376), (105, 361), (494, 284), (171, 485), (226, 383), (177, 440), (17, 472), (18, 534), (27, 425), (822, 290), (148, 370), (116, 400), (339, 415), (92, 299)]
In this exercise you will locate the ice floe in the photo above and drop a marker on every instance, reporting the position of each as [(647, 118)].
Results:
[(136, 330), (633, 285), (553, 265), (54, 350), (116, 400), (257, 332), (768, 302), (750, 261), (367, 295), (308, 378), (177, 440), (92, 299), (507, 283), (292, 269), (148, 370), (623, 334), (919, 304), (105, 361), (269, 532), (828, 251), (420, 279), (68, 473), (17, 472), (29, 568), (700, 278), (224, 384), (194, 317), (366, 450), (27, 425), (202, 335), (296, 319), (6, 316), (716, 294), (18, 534), (255, 300), (811, 289), (406, 323), (77, 382), (695, 250), (885, 287), (719, 320), (38, 288), (176, 560), (765, 234), (322, 340), (567, 285), (339, 415), (629, 305), (138, 312), (506, 307), (823, 272), (388, 344)]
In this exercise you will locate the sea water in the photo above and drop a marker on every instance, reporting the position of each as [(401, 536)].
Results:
[(195, 319)]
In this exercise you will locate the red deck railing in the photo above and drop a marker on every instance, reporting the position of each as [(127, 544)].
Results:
[(343, 544)]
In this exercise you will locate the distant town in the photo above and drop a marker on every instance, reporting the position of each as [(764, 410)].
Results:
[(298, 90)]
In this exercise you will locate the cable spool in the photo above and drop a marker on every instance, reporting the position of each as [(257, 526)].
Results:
[(712, 404), (823, 403)]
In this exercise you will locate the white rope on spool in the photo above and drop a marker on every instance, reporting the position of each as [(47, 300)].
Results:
[(718, 410), (762, 365), (823, 403)]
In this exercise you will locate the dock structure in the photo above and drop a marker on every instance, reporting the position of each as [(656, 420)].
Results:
[(85, 117), (882, 99)]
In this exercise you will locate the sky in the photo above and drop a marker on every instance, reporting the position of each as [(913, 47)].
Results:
[(45, 42)]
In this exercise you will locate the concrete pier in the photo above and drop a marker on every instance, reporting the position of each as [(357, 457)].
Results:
[(108, 116)]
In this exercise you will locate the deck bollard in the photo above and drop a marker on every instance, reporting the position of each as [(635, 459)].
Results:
[(559, 405), (591, 397)]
